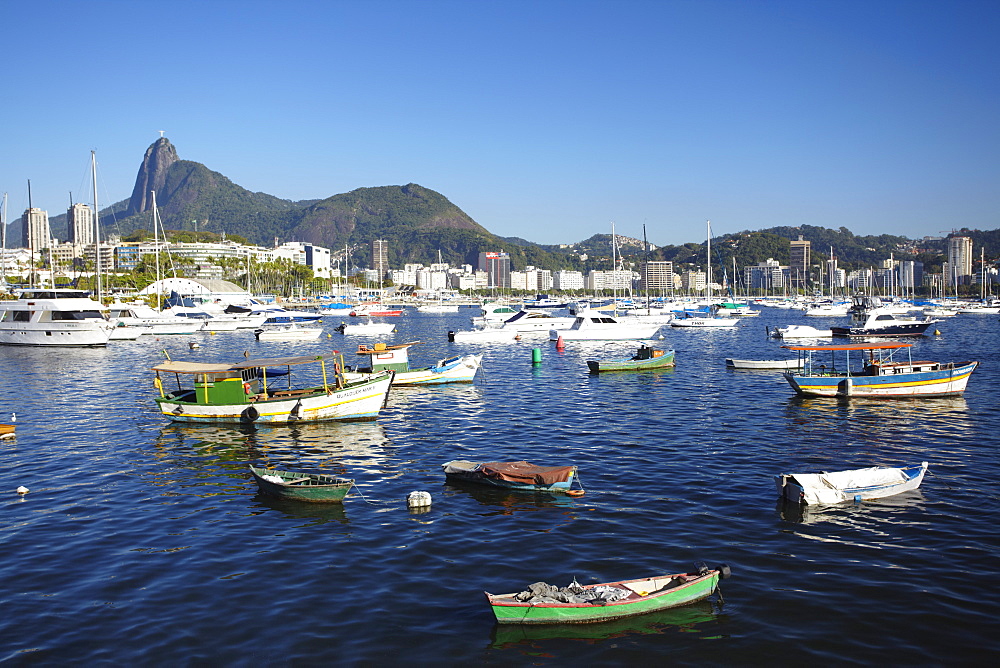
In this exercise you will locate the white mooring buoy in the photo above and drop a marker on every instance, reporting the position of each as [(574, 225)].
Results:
[(22, 490), (418, 499)]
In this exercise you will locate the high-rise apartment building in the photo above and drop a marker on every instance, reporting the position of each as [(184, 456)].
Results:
[(960, 258), (656, 277), (497, 268), (380, 256), (798, 262), (80, 223), (35, 232)]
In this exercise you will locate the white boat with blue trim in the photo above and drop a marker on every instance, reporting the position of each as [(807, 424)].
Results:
[(854, 485), (395, 358)]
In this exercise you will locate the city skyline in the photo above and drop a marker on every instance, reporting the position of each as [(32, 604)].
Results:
[(545, 121)]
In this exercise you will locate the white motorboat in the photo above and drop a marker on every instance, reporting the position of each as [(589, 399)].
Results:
[(142, 316), (486, 335), (369, 328), (698, 319), (799, 332), (533, 321), (290, 332), (382, 357), (828, 309), (594, 325), (763, 364), (438, 307), (885, 324), (54, 317), (129, 333)]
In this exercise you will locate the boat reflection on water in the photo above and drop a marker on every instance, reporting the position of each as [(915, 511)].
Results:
[(687, 619), (873, 514), (360, 446), (872, 419), (315, 514), (506, 502)]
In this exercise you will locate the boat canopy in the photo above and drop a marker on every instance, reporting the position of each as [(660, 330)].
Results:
[(854, 346), (172, 366)]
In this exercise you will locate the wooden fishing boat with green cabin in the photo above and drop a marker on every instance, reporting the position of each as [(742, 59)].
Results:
[(246, 392), (576, 604), (307, 487)]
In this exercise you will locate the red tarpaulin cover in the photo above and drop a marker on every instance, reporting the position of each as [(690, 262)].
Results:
[(526, 473)]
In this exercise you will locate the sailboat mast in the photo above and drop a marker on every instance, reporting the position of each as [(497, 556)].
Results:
[(156, 247), (31, 242), (709, 258), (97, 225), (3, 241)]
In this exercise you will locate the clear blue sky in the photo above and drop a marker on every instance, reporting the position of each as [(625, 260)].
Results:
[(545, 119)]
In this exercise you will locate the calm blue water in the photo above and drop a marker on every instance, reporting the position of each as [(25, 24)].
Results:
[(142, 542)]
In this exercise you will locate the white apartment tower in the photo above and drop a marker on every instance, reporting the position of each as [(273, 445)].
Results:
[(35, 232), (80, 222), (960, 258)]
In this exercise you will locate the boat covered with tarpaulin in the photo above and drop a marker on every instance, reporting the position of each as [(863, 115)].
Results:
[(519, 476)]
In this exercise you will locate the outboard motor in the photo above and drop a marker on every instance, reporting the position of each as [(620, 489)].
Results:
[(451, 336)]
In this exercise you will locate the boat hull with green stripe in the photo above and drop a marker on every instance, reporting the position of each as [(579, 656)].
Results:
[(874, 373), (643, 595)]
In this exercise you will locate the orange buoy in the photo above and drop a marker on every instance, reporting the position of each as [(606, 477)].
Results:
[(559, 343)]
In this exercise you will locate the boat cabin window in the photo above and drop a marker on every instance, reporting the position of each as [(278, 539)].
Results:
[(605, 320), (48, 294), (75, 315), (21, 316)]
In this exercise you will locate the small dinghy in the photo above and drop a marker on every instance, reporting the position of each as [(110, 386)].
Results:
[(520, 476), (308, 487), (645, 358), (854, 485), (542, 603), (763, 364)]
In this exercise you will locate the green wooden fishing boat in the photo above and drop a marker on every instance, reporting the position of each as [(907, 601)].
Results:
[(646, 358), (308, 487), (544, 604)]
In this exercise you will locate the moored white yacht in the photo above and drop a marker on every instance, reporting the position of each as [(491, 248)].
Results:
[(594, 325), (54, 317)]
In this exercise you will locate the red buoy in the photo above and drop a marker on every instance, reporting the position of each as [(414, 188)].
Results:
[(559, 344)]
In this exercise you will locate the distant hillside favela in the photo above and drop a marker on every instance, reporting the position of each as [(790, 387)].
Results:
[(415, 237)]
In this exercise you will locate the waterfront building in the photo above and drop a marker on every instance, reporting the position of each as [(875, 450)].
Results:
[(619, 279), (656, 277), (767, 275), (315, 257), (380, 256), (462, 281), (911, 274), (798, 262), (35, 233), (960, 258), (497, 268), (567, 280), (694, 281), (80, 223), (517, 281)]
